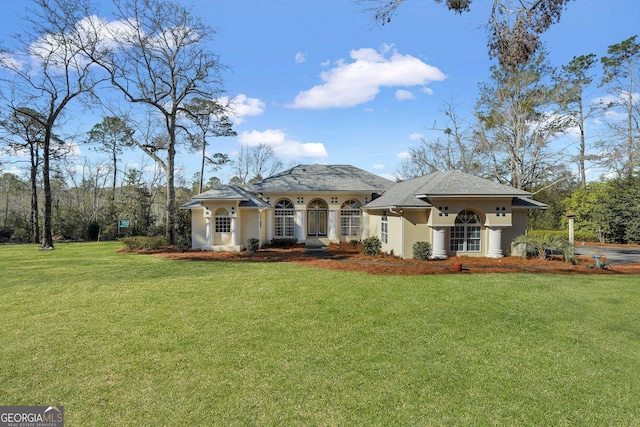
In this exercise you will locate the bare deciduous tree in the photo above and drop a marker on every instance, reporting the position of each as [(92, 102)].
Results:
[(47, 69), (157, 56), (455, 149), (255, 163)]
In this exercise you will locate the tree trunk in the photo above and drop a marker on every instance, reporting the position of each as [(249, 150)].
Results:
[(581, 166), (47, 241), (171, 194), (35, 226), (204, 153), (630, 146)]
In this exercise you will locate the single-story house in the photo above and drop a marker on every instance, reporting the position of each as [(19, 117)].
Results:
[(458, 213)]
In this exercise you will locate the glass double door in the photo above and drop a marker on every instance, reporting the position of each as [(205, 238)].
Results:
[(317, 219)]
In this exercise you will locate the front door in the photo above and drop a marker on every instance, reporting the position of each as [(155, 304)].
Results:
[(317, 219)]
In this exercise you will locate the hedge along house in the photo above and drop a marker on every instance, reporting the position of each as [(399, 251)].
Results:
[(459, 214)]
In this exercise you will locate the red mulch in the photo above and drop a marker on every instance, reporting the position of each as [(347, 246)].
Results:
[(347, 257)]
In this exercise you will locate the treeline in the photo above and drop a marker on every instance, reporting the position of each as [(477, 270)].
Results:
[(89, 210), (608, 209)]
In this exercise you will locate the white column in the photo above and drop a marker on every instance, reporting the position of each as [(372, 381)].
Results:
[(571, 232), (333, 225), (234, 230), (208, 244), (495, 243), (270, 225), (300, 225), (439, 238), (365, 225)]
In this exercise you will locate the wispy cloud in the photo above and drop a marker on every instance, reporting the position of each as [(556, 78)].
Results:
[(301, 57), (352, 83), (404, 95)]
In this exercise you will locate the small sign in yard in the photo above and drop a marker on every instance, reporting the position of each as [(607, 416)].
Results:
[(123, 223)]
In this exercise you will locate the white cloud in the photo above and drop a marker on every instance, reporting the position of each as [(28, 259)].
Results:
[(404, 95), (403, 155), (282, 145), (416, 136), (243, 106), (352, 83), (72, 149), (301, 57), (325, 63), (377, 167), (14, 170)]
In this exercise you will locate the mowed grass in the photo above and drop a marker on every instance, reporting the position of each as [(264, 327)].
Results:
[(124, 339)]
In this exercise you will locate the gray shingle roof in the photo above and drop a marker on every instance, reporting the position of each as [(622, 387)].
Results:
[(416, 192), (228, 193), (322, 178)]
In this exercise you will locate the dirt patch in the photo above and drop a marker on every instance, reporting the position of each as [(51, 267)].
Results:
[(347, 257)]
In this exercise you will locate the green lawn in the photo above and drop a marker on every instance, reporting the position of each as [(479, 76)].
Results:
[(124, 340)]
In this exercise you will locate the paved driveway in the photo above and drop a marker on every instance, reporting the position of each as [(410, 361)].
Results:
[(615, 254)]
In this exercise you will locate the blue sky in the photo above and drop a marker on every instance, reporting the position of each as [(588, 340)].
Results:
[(322, 84)]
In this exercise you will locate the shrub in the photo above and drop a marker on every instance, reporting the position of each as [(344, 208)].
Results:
[(144, 242), (184, 243), (421, 250), (93, 230), (371, 246), (253, 244), (285, 242), (633, 231), (580, 236), (5, 234), (354, 242), (20, 236), (543, 247)]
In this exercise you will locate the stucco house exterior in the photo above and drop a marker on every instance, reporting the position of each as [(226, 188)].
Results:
[(458, 213)]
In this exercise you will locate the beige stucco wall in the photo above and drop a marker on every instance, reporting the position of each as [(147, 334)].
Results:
[(249, 221), (415, 230), (519, 228), (445, 211), (198, 229)]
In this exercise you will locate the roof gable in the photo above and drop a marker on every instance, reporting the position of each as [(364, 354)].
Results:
[(228, 193), (322, 178), (455, 183)]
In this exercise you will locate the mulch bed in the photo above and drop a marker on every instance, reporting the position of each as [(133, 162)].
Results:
[(347, 257)]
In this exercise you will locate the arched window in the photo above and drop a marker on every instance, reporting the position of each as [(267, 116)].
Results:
[(222, 221), (350, 219), (284, 221), (465, 235)]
